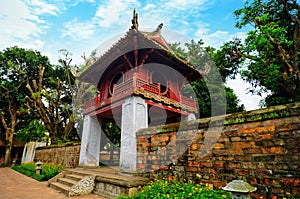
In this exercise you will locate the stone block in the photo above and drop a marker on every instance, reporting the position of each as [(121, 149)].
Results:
[(84, 186)]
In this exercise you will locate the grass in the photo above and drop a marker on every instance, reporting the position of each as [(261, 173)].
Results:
[(49, 170)]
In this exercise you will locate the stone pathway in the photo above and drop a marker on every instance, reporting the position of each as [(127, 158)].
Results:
[(14, 185)]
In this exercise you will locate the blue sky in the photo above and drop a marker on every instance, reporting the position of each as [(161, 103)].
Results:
[(80, 26)]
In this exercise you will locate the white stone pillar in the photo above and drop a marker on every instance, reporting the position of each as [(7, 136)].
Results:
[(90, 142), (190, 117), (134, 117)]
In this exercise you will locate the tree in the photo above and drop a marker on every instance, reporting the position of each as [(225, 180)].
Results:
[(34, 131), (17, 66), (59, 103), (269, 56), (50, 98), (211, 89)]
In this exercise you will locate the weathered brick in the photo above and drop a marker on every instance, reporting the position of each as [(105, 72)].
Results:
[(231, 133), (248, 165), (287, 127), (250, 138), (240, 144), (235, 151), (195, 164), (265, 129), (253, 151), (263, 172), (248, 130), (141, 166), (252, 124), (265, 136), (258, 195), (268, 143), (155, 167), (223, 139), (206, 164), (272, 150), (164, 138), (191, 169), (233, 165), (242, 172), (265, 158), (218, 164), (220, 152), (142, 140), (218, 184), (219, 146), (272, 122), (235, 139)]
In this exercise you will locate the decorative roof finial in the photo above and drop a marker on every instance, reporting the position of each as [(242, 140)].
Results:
[(135, 24), (159, 27)]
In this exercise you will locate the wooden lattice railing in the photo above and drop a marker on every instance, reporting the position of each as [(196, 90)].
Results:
[(127, 88)]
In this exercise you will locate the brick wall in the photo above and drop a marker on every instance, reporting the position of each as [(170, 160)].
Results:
[(64, 155), (261, 147)]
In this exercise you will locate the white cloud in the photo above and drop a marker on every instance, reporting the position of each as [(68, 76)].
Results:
[(111, 12), (20, 25), (73, 3), (78, 30), (183, 4), (219, 37), (203, 28), (40, 7), (149, 6), (239, 86)]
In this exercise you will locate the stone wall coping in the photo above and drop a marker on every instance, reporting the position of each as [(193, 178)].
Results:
[(58, 146), (273, 112)]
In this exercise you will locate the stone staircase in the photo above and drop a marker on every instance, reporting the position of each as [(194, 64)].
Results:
[(107, 182), (65, 180)]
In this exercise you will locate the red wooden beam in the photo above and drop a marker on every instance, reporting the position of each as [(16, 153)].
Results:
[(167, 107)]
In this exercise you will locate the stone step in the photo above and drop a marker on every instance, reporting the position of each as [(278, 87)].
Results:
[(107, 181), (67, 181), (74, 177), (62, 188), (125, 181), (109, 175), (112, 186)]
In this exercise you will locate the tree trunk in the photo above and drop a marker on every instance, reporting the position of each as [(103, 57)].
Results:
[(8, 150)]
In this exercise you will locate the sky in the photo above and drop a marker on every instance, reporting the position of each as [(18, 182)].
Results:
[(81, 26)]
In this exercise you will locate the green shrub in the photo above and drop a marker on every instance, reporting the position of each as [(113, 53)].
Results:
[(30, 166), (49, 170), (175, 189), (38, 177)]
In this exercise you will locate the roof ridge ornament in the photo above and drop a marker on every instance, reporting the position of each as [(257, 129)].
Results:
[(134, 21), (159, 27)]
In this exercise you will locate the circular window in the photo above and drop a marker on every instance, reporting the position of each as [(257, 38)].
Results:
[(157, 77), (117, 79)]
